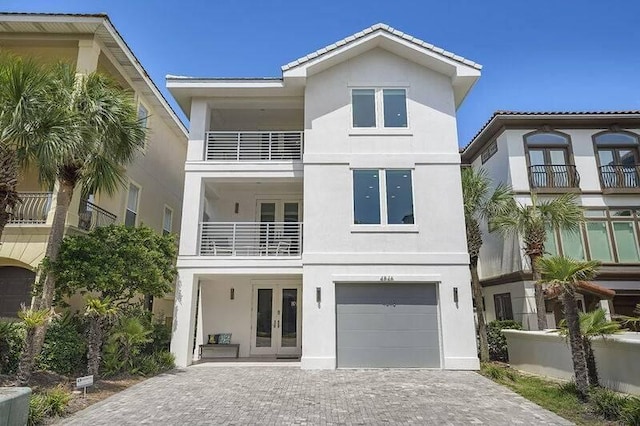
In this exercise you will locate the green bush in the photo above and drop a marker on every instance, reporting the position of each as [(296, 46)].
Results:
[(11, 341), (497, 341), (607, 403), (631, 412), (65, 346), (160, 338), (48, 404)]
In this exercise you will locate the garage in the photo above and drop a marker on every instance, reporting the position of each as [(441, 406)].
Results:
[(387, 325)]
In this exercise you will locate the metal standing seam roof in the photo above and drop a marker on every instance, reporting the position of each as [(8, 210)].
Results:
[(542, 114), (385, 28)]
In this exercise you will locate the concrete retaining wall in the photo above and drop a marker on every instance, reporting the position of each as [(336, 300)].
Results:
[(548, 354), (14, 406)]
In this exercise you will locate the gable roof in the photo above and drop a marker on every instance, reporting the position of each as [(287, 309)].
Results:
[(104, 31), (385, 28)]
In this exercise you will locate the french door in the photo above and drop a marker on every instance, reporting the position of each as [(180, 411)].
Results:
[(279, 226), (276, 319), (549, 168)]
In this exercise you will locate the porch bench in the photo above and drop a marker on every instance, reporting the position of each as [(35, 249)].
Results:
[(214, 346)]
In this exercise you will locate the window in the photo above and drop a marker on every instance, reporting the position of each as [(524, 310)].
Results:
[(488, 153), (370, 107), (549, 165), (610, 236), (504, 310), (133, 197), (618, 159), (382, 197), (143, 115), (167, 221)]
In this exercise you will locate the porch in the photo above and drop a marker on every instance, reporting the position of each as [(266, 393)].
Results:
[(261, 314)]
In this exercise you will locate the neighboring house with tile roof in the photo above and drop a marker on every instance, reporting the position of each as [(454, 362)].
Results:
[(595, 155), (153, 195), (313, 220)]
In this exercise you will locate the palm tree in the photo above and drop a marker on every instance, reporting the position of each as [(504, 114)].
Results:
[(33, 321), (480, 204), (98, 311), (106, 135), (31, 124), (565, 273), (593, 324), (531, 223)]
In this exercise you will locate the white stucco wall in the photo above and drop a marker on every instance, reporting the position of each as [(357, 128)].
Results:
[(432, 250), (548, 354)]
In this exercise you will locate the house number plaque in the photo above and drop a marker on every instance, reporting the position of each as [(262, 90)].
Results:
[(386, 278)]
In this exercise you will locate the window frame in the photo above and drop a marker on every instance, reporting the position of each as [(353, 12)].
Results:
[(567, 147), (126, 203), (379, 108), (502, 297), (164, 211), (382, 191), (634, 148)]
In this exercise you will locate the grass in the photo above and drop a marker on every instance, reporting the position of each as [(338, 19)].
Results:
[(559, 398)]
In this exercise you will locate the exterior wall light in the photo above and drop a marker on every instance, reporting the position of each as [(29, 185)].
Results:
[(455, 294), (232, 293), (318, 294)]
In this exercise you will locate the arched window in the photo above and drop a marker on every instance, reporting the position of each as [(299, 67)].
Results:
[(618, 159), (549, 160)]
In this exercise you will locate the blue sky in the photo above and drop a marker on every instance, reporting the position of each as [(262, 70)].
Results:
[(537, 55)]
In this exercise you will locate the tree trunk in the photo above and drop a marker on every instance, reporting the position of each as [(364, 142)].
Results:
[(575, 341), (8, 184), (28, 356), (94, 346), (591, 362), (45, 299), (541, 309), (482, 327)]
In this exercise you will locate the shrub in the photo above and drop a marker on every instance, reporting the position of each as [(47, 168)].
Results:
[(165, 360), (65, 347), (607, 403), (11, 341), (48, 404), (160, 338), (631, 412), (497, 341), (569, 388)]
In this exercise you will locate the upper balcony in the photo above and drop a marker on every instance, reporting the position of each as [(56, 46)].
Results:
[(254, 146), (554, 178), (35, 208), (620, 177)]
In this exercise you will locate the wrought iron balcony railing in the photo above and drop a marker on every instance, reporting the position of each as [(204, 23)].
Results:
[(620, 176), (554, 176), (91, 216), (32, 208), (253, 146), (250, 239)]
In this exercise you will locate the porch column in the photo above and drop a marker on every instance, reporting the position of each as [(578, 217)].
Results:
[(199, 125), (184, 316), (192, 209)]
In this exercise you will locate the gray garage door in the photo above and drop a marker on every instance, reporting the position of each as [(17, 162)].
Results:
[(387, 325)]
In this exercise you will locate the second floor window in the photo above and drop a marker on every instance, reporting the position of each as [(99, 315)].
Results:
[(382, 197), (618, 159), (502, 303), (372, 108), (131, 215), (549, 160)]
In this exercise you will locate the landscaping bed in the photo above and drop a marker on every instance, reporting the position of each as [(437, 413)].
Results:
[(604, 407)]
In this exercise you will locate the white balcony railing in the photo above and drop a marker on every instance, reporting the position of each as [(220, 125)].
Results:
[(32, 208), (250, 239), (253, 146)]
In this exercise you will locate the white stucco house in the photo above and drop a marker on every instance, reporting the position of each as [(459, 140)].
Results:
[(322, 213), (592, 154)]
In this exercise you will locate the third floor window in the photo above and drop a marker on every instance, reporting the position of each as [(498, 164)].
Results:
[(372, 108), (550, 162)]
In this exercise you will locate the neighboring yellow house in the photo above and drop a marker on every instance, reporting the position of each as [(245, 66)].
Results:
[(155, 179)]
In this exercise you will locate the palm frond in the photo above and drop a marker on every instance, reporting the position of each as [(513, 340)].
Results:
[(562, 270)]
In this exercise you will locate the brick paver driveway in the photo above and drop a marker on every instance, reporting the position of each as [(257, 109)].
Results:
[(287, 395)]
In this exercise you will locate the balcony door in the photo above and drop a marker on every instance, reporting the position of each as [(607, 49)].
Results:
[(618, 167), (279, 226), (276, 319), (549, 167)]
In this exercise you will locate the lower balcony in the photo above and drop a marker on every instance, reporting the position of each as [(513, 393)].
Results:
[(555, 177), (250, 239)]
